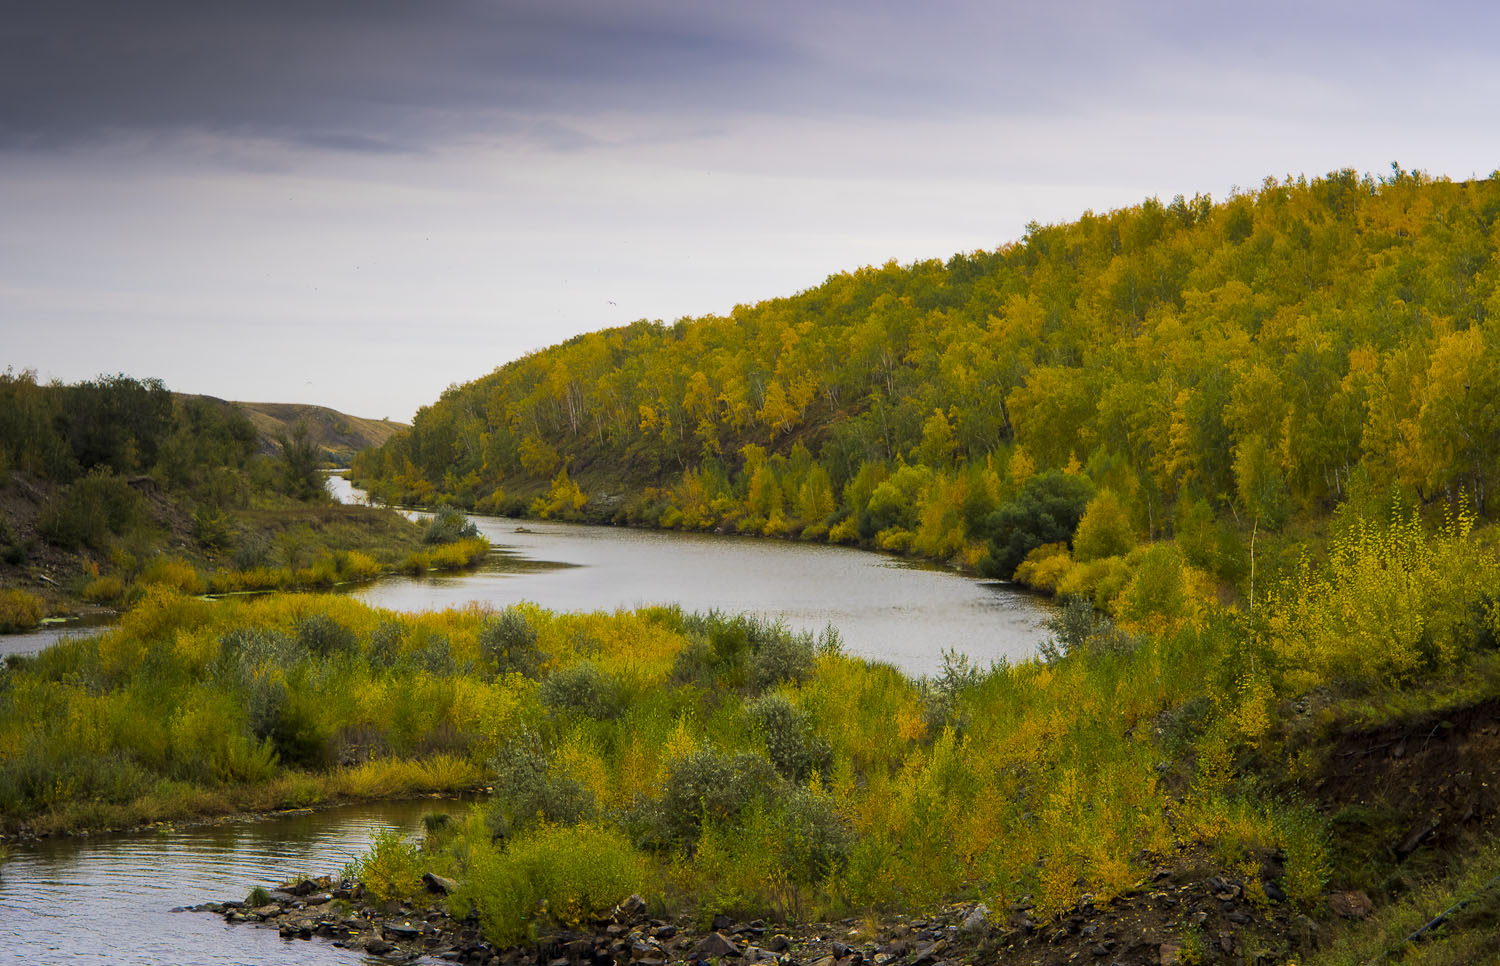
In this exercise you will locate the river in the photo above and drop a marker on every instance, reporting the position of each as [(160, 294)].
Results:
[(885, 608), (107, 899)]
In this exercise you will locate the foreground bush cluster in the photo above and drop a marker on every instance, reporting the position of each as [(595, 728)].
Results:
[(726, 764)]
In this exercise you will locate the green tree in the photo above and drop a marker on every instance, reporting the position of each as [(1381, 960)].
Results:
[(1047, 510), (299, 464)]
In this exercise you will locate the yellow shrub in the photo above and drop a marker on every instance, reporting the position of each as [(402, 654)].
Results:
[(104, 590), (19, 609), (175, 573), (1045, 567)]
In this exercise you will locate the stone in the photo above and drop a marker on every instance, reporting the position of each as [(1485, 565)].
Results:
[(378, 947), (1351, 905), (401, 930), (977, 922), (440, 885), (1168, 954), (629, 910), (301, 887), (754, 954), (778, 943), (715, 944)]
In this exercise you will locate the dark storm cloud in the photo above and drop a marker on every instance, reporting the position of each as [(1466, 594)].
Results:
[(356, 74), (400, 75)]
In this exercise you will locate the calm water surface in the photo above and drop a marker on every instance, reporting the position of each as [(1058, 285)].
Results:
[(884, 608), (109, 899)]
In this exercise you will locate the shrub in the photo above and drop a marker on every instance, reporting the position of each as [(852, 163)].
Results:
[(562, 875), (392, 870), (104, 590), (707, 786), (90, 511), (448, 526), (173, 572), (780, 656), (794, 748), (321, 635), (254, 551), (211, 527), (1080, 628), (385, 645), (1104, 530), (19, 609), (510, 643), (583, 689), (526, 790)]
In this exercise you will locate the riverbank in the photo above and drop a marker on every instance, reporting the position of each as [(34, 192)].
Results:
[(1186, 911)]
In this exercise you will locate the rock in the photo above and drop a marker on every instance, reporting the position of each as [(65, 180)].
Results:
[(629, 910), (1168, 954), (441, 885), (715, 944), (1351, 905), (778, 943), (301, 887), (722, 921), (378, 947), (977, 922), (317, 899), (754, 954), (401, 930)]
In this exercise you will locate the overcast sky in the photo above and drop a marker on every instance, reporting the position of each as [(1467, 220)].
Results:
[(358, 202)]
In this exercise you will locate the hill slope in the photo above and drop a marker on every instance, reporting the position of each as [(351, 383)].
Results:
[(1255, 361), (338, 436)]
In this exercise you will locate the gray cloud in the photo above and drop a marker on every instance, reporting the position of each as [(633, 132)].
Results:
[(379, 76)]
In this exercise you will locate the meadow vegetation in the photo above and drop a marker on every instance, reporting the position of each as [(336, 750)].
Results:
[(719, 763)]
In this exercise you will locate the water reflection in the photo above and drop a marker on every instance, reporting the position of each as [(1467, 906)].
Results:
[(888, 609), (109, 899)]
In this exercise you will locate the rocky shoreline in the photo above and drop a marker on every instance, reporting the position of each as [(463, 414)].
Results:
[(1183, 914)]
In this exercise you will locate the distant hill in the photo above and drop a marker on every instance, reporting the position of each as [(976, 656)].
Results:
[(337, 435)]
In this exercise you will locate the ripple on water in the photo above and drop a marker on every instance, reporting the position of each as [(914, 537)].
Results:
[(108, 899)]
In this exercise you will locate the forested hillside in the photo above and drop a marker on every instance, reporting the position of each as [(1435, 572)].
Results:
[(1216, 369), (115, 484)]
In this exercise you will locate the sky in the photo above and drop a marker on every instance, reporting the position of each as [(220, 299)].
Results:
[(358, 203)]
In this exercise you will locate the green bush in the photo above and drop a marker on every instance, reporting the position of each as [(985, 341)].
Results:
[(392, 870), (528, 792), (707, 786), (448, 526), (91, 511), (1047, 510), (781, 656), (509, 642), (583, 689), (795, 749), (554, 875), (321, 635)]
